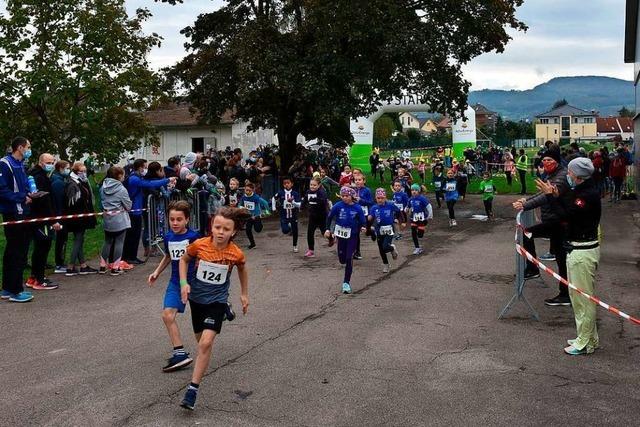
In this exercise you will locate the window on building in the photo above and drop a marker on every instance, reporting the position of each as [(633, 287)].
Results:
[(555, 131), (544, 121), (575, 120), (555, 121), (197, 145), (588, 119)]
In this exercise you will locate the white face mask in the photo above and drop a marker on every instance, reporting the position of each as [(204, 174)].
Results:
[(144, 172)]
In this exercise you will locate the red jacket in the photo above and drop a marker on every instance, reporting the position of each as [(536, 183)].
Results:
[(618, 168)]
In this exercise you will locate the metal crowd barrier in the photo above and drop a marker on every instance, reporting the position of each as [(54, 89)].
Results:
[(158, 215), (524, 219)]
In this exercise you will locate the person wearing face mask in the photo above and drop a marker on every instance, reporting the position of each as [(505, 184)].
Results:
[(79, 200), (551, 226), (581, 210), (43, 232), (136, 184), (59, 179), (14, 205)]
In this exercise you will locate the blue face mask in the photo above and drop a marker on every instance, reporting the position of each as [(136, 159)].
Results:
[(27, 154), (66, 172), (571, 182), (48, 168)]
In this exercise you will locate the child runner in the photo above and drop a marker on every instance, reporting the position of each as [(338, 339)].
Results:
[(451, 196), (208, 291), (365, 199), (346, 177), (289, 201), (421, 212), (316, 200), (175, 245), (405, 179), (488, 190), (439, 181), (349, 219), (383, 214), (234, 195), (421, 170), (401, 200), (257, 206)]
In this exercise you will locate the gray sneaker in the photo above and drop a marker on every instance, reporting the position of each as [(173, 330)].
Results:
[(547, 257), (385, 268)]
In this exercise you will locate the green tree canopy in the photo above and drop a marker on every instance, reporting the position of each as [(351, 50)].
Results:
[(74, 77), (306, 67), (559, 103), (385, 126), (625, 112)]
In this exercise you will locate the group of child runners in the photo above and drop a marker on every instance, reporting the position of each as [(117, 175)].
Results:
[(201, 267)]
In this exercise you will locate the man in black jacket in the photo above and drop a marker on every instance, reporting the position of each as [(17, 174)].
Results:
[(551, 226), (580, 209)]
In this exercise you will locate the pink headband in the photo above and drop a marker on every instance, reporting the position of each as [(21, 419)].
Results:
[(380, 192)]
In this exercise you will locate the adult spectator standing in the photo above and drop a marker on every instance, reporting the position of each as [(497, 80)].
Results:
[(522, 165), (551, 226), (374, 160), (43, 232), (128, 169), (173, 167), (618, 172), (581, 210), (58, 183), (115, 198), (14, 205), (79, 200), (136, 185)]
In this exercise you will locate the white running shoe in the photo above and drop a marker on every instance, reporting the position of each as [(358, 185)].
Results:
[(385, 268), (295, 249)]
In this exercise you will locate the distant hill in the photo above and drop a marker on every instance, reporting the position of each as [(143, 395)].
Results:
[(603, 94)]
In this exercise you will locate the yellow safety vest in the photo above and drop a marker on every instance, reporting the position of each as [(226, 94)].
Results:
[(522, 163)]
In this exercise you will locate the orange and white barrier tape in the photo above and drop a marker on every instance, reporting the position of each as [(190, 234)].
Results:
[(523, 252), (56, 218)]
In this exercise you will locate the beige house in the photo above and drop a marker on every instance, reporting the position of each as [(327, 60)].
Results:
[(409, 121), (567, 123), (428, 127)]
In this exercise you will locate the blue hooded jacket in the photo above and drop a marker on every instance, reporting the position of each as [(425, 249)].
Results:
[(11, 175), (135, 186)]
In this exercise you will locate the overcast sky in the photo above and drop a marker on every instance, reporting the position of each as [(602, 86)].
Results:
[(565, 38)]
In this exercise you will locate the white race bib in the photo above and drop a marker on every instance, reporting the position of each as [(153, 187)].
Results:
[(451, 186), (212, 274), (365, 209), (342, 232), (249, 205), (386, 230), (287, 205), (488, 189), (399, 206), (177, 249), (418, 216), (233, 200), (438, 184)]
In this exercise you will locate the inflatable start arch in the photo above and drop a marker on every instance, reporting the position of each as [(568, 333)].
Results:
[(463, 131)]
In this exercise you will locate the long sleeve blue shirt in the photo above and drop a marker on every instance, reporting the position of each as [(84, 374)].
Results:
[(347, 216)]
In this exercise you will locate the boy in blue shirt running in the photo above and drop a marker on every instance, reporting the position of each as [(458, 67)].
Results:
[(175, 244), (289, 202), (257, 207), (383, 215), (421, 212)]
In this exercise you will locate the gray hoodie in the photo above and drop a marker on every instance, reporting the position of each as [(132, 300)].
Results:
[(114, 198)]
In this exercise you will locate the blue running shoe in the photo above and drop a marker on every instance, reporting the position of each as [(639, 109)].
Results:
[(177, 361), (5, 294), (572, 351), (229, 314), (21, 297), (189, 401), (346, 288)]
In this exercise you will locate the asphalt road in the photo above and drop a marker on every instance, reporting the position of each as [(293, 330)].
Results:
[(421, 345)]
